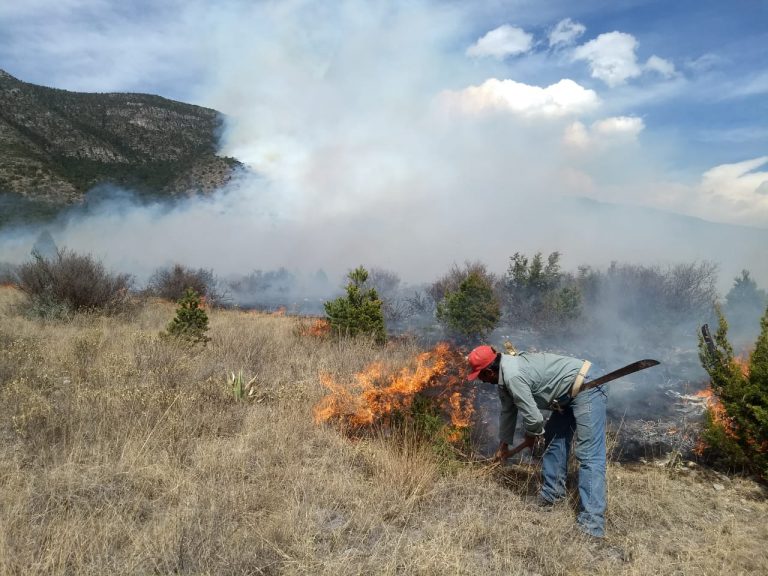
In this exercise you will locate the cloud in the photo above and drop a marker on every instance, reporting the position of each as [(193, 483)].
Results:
[(751, 85), (564, 98), (738, 182), (619, 126), (735, 193), (101, 46), (576, 135), (566, 32), (705, 63), (602, 133), (501, 42), (661, 66), (611, 57)]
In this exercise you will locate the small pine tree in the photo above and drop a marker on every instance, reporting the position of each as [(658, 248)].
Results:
[(741, 441), (539, 294), (744, 303), (191, 321), (360, 312), (472, 310)]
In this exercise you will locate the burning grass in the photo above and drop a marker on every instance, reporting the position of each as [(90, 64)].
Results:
[(122, 453), (376, 395)]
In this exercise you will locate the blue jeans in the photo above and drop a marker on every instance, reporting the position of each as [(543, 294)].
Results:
[(584, 416)]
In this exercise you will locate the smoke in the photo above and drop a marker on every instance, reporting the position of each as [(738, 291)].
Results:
[(372, 138)]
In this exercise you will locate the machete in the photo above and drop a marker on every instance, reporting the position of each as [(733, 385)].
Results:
[(626, 370)]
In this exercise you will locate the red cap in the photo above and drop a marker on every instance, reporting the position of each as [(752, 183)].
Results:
[(481, 357)]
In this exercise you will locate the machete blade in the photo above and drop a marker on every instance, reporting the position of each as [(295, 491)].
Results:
[(628, 369)]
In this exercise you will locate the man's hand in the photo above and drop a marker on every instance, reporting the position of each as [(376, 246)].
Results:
[(505, 452), (502, 453)]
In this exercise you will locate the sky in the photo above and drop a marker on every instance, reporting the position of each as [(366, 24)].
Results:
[(463, 128)]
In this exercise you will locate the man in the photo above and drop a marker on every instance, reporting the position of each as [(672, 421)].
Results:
[(530, 382)]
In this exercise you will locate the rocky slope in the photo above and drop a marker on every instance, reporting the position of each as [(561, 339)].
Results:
[(55, 145)]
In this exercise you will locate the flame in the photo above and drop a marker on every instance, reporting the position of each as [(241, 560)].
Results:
[(375, 393), (318, 328), (718, 414), (279, 312), (742, 363), (461, 415)]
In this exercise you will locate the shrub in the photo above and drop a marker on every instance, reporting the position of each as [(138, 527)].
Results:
[(659, 297), (745, 301), (360, 312), (172, 283), (191, 320), (450, 282), (387, 283), (472, 310), (70, 282), (540, 295), (7, 273), (736, 429)]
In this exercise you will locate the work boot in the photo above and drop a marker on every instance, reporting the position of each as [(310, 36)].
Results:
[(539, 502), (604, 550)]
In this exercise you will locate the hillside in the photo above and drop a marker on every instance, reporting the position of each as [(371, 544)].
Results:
[(55, 145), (122, 452)]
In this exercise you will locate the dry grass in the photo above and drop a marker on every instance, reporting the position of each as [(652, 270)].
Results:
[(121, 453)]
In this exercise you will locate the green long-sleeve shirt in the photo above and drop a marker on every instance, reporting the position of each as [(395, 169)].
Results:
[(528, 382)]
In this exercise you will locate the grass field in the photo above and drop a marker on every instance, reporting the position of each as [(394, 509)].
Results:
[(124, 453)]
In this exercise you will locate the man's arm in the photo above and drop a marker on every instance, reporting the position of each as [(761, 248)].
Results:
[(507, 417), (533, 421), (507, 423)]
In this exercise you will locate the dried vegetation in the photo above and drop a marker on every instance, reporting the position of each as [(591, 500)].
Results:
[(124, 453)]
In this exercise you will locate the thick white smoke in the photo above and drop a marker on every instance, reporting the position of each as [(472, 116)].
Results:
[(373, 138)]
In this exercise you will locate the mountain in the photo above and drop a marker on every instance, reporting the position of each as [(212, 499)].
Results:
[(55, 145)]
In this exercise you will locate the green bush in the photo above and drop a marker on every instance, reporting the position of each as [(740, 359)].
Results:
[(191, 321), (744, 303), (736, 430), (360, 312), (540, 295), (472, 310)]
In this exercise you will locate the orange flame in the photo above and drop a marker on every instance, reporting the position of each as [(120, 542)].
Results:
[(279, 312), (375, 395), (742, 363), (718, 415), (318, 328)]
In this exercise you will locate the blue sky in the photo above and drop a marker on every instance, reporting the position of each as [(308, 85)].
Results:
[(719, 112), (656, 103)]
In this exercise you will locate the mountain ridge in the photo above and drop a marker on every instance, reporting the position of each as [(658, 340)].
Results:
[(55, 144)]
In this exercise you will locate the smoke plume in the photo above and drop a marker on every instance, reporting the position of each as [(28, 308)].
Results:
[(372, 138)]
